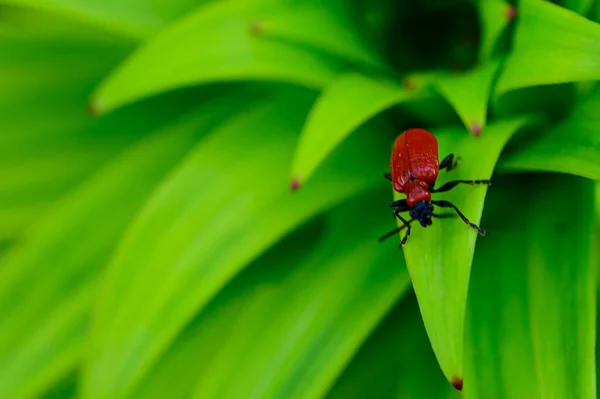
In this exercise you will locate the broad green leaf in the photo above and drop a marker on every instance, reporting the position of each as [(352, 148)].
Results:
[(158, 282), (227, 48), (395, 362), (276, 287), (134, 19), (304, 24), (552, 45), (439, 257), (495, 15), (532, 300), (306, 324), (348, 102), (572, 146), (47, 280), (468, 93)]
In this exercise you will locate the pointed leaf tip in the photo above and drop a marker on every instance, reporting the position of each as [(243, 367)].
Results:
[(476, 129), (92, 108), (257, 28), (295, 184), (511, 12), (457, 383)]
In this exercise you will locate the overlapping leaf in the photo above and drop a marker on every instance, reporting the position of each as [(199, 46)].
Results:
[(396, 362), (468, 93), (439, 257), (348, 102), (47, 283), (49, 144), (133, 18), (214, 44), (302, 24), (551, 45), (573, 146), (532, 304), (305, 318), (157, 282), (495, 15)]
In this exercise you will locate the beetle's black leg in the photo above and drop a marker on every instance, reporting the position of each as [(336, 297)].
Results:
[(407, 224), (449, 163), (451, 184), (448, 204), (400, 206), (392, 233), (388, 176)]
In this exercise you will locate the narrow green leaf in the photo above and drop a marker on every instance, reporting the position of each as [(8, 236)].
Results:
[(395, 362), (304, 24), (495, 15), (439, 257), (552, 45), (306, 324), (152, 287), (468, 93), (134, 19), (228, 47), (573, 146), (347, 102), (44, 307), (532, 302)]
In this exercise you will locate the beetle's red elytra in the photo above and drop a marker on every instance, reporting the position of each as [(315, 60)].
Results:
[(414, 167)]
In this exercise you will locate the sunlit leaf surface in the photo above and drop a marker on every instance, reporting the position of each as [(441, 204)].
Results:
[(439, 257), (149, 296), (551, 45)]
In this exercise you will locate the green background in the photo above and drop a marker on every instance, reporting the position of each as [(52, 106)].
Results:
[(191, 194)]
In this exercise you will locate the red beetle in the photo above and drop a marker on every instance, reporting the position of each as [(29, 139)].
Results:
[(415, 166)]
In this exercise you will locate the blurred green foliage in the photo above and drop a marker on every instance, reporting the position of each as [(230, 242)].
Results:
[(191, 194)]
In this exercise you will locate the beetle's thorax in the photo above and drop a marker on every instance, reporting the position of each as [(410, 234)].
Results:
[(417, 191)]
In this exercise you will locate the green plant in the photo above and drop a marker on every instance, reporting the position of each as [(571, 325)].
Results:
[(209, 228)]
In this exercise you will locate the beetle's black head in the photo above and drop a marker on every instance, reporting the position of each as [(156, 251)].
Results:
[(422, 212)]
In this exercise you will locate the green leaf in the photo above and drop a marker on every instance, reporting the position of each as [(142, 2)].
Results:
[(49, 74), (552, 45), (306, 326), (228, 48), (582, 7), (134, 19), (495, 15), (395, 362), (47, 281), (158, 282), (532, 300), (572, 146), (294, 304), (439, 257), (468, 93), (349, 101), (304, 24)]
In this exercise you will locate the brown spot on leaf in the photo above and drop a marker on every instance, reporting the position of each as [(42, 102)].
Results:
[(511, 12), (295, 184), (257, 27), (409, 84), (476, 129), (92, 107), (457, 383)]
